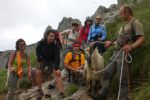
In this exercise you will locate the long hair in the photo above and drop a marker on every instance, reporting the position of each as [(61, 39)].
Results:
[(86, 23), (56, 33), (17, 43)]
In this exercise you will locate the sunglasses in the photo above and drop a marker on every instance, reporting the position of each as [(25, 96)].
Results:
[(22, 44), (76, 45)]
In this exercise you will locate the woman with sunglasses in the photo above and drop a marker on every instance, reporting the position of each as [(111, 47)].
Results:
[(18, 66)]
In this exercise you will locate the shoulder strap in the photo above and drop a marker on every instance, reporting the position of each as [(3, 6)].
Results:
[(132, 26), (133, 29), (80, 58), (74, 59), (26, 57)]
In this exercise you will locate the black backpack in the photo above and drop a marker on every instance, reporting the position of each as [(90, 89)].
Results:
[(74, 58)]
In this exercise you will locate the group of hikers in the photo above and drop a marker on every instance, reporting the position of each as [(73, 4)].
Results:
[(61, 54)]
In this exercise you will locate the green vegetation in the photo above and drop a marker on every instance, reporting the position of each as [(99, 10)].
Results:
[(23, 83), (140, 67), (3, 88), (72, 88), (142, 93), (33, 59)]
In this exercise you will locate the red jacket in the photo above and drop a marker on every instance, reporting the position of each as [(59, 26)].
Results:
[(84, 31)]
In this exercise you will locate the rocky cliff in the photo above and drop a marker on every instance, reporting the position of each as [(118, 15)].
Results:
[(4, 55), (66, 23)]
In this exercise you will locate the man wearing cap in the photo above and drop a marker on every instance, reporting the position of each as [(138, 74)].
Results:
[(74, 62), (97, 34)]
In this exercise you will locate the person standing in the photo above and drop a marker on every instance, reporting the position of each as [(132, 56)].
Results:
[(130, 38), (48, 55), (97, 34), (18, 66), (84, 31)]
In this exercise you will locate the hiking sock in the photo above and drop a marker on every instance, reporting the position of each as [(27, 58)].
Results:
[(61, 94)]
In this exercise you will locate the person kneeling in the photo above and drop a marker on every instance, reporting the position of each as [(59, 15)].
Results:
[(74, 63)]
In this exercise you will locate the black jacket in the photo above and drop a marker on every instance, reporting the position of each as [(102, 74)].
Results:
[(48, 53)]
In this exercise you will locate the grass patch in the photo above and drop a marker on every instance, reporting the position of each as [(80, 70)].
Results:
[(3, 88), (72, 88), (140, 66), (141, 93)]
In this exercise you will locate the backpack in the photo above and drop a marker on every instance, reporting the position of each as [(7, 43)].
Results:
[(74, 58), (6, 66), (57, 37)]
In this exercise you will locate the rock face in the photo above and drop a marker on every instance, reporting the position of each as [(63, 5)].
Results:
[(31, 94), (100, 11), (66, 23), (4, 56), (107, 14), (121, 2)]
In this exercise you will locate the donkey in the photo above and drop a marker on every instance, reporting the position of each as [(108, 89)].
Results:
[(93, 63)]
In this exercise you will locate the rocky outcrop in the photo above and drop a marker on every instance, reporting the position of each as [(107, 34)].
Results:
[(31, 94), (108, 14), (100, 11), (4, 56), (121, 2), (66, 23)]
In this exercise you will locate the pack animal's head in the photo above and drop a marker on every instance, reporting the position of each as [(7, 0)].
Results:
[(94, 59)]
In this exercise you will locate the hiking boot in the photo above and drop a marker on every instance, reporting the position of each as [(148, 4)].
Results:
[(48, 96), (61, 95), (40, 94), (50, 86)]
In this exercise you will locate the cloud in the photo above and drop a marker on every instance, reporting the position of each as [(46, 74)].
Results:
[(28, 18)]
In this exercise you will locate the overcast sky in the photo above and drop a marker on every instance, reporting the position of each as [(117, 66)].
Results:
[(28, 19)]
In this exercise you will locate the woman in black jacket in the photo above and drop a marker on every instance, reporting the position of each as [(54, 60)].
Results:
[(48, 55)]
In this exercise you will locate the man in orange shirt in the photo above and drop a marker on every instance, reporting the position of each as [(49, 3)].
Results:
[(74, 61)]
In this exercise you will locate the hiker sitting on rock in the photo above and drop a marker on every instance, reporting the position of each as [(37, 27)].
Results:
[(74, 63), (19, 66), (48, 55)]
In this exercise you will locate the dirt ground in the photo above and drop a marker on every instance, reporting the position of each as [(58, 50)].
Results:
[(2, 96)]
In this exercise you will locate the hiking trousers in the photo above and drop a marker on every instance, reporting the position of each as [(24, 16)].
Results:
[(108, 74), (12, 83)]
